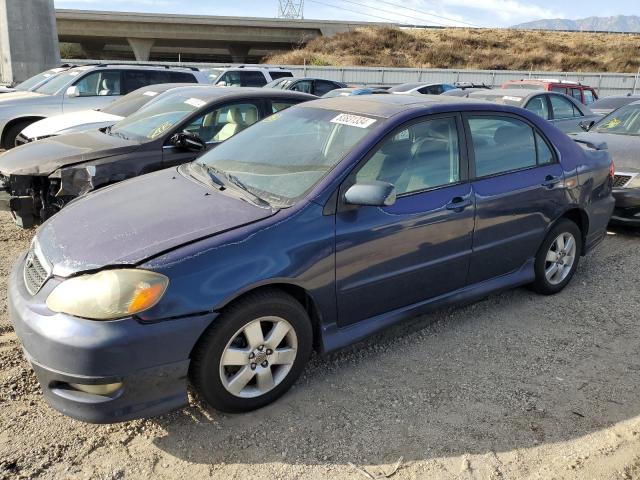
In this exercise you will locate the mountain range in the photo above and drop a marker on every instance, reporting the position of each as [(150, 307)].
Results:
[(619, 23)]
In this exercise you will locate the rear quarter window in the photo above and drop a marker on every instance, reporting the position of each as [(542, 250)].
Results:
[(275, 74)]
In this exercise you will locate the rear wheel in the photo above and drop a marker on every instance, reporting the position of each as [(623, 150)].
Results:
[(558, 258), (253, 354), (12, 133)]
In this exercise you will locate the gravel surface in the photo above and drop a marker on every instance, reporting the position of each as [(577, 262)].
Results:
[(516, 386)]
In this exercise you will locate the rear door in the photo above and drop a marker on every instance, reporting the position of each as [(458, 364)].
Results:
[(564, 114), (518, 186), (418, 248)]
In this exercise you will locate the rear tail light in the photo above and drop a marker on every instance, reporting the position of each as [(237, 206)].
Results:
[(612, 169)]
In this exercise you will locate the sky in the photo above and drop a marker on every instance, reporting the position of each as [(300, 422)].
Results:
[(482, 13)]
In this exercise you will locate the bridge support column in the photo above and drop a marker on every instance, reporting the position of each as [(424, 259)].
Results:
[(93, 50), (28, 38), (141, 47), (239, 53)]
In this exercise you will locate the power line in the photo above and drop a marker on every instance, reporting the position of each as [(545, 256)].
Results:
[(426, 13), (353, 11), (393, 13)]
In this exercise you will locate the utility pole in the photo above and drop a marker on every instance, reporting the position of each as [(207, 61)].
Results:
[(291, 9)]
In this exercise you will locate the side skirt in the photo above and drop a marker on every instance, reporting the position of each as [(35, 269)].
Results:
[(334, 338)]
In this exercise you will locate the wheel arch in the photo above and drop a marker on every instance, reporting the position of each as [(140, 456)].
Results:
[(580, 218), (300, 294), (15, 121)]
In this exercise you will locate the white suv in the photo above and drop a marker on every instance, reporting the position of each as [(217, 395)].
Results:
[(245, 76), (82, 88)]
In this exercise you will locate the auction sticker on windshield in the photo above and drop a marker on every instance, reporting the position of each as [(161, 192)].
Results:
[(353, 120), (150, 93), (195, 102)]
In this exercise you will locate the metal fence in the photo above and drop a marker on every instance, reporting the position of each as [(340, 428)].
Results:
[(604, 83)]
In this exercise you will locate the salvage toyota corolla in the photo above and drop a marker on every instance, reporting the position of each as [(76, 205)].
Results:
[(311, 229)]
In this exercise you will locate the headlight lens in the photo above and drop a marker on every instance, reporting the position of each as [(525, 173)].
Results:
[(108, 294)]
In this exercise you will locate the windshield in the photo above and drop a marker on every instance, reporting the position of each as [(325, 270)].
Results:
[(156, 118), (285, 155), (624, 121), (32, 82), (132, 102), (612, 102), (59, 82)]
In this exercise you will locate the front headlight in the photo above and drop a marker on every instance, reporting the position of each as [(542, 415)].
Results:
[(108, 294)]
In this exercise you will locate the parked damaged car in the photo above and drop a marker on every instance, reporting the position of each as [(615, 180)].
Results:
[(619, 132), (82, 120), (314, 228), (40, 178)]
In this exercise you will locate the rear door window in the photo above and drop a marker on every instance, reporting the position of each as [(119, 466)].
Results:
[(135, 79), (589, 97), (181, 77), (322, 86), (559, 90), (279, 74), (503, 144), (563, 108)]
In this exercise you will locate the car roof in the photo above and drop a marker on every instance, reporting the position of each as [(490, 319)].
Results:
[(129, 66), (386, 106), (507, 96), (209, 93)]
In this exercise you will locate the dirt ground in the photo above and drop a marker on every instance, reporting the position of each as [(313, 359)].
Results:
[(518, 386)]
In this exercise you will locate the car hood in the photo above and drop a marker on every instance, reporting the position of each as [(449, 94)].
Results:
[(128, 222), (623, 148), (18, 97), (53, 125), (46, 156)]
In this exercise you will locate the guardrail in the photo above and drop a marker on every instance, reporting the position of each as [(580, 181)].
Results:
[(604, 83)]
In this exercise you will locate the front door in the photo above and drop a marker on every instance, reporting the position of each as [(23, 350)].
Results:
[(519, 188), (96, 90), (213, 126), (418, 248)]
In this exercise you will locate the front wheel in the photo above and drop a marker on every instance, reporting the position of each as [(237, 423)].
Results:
[(558, 258), (253, 353)]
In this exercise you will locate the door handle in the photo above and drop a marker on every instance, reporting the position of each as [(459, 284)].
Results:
[(458, 204), (550, 181)]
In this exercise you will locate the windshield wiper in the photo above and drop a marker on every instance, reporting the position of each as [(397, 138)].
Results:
[(238, 183)]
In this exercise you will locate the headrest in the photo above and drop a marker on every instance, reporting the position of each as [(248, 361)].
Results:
[(510, 134), (251, 116)]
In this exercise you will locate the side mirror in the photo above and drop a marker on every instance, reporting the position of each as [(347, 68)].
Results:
[(188, 141), (586, 126), (73, 92), (376, 194)]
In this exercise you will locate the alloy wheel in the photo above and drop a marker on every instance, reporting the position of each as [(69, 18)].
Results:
[(560, 258), (258, 357)]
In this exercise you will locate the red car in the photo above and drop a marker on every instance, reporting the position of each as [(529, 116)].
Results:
[(582, 93)]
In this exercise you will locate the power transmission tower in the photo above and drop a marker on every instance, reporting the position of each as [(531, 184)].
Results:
[(291, 9)]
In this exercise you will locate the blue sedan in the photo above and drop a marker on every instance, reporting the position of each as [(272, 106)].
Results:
[(312, 229)]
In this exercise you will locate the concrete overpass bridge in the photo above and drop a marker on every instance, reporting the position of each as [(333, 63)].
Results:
[(235, 38)]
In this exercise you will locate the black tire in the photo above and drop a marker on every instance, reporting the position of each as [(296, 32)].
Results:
[(12, 133), (541, 284), (205, 369)]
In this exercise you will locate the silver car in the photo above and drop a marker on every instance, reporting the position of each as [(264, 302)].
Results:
[(565, 112), (82, 88)]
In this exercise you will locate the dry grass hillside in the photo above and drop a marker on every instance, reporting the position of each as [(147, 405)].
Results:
[(471, 49)]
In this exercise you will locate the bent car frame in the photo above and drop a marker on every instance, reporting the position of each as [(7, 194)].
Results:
[(314, 228)]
